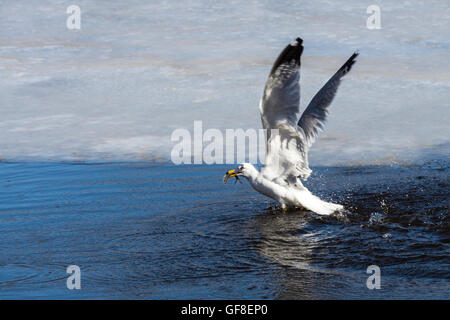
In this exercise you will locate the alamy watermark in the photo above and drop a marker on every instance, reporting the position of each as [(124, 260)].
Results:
[(214, 146), (73, 22), (374, 20), (74, 280), (373, 281)]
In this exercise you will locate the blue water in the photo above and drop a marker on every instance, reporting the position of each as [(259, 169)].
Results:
[(142, 231)]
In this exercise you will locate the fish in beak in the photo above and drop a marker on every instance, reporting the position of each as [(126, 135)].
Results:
[(229, 174)]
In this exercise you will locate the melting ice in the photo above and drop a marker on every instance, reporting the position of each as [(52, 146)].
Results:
[(137, 70)]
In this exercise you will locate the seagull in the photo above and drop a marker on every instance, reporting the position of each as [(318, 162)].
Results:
[(288, 137)]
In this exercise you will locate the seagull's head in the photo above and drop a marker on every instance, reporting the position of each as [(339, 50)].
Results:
[(246, 170)]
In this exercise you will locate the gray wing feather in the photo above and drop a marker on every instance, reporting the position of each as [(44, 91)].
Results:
[(286, 157), (281, 98), (313, 118)]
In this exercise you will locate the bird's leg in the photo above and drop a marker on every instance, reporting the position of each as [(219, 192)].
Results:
[(283, 207)]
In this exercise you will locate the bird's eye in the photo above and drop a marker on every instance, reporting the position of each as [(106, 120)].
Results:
[(241, 168)]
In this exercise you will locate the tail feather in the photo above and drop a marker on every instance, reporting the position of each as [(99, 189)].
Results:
[(315, 204)]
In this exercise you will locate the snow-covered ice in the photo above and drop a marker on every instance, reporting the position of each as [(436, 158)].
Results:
[(116, 89)]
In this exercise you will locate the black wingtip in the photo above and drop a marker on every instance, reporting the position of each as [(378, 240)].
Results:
[(350, 62), (293, 51)]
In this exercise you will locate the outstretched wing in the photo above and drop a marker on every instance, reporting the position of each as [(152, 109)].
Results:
[(281, 98), (286, 154), (288, 141), (313, 118)]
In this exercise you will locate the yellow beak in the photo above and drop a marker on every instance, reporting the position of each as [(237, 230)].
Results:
[(229, 174)]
